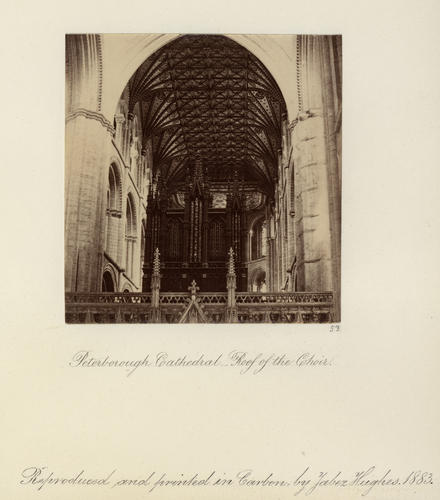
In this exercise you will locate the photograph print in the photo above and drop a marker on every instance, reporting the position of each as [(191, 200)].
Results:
[(203, 178)]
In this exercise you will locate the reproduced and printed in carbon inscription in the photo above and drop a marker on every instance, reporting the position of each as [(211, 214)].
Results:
[(304, 483)]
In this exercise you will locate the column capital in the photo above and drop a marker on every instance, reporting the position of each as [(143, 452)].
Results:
[(119, 118)]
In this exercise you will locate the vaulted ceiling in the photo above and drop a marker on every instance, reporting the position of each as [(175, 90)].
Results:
[(206, 95)]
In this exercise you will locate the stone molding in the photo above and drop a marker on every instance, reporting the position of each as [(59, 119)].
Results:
[(299, 72), (113, 263), (111, 267), (305, 115), (128, 281), (114, 213), (91, 115), (99, 53)]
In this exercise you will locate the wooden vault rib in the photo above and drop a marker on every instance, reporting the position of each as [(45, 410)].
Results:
[(207, 95)]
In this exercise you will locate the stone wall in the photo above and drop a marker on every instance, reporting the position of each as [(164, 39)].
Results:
[(95, 231)]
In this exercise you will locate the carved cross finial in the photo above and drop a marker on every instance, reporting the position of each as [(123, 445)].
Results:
[(193, 288), (231, 266), (156, 262)]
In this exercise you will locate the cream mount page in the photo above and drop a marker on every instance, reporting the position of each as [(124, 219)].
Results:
[(341, 410)]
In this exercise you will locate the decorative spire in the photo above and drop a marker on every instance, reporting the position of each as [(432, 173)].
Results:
[(231, 309), (231, 264), (156, 262)]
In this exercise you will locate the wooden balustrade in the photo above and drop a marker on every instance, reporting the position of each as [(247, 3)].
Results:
[(298, 307)]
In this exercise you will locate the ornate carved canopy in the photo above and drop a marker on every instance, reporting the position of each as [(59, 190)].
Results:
[(207, 96)]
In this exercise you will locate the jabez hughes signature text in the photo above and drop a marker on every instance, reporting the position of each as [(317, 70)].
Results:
[(305, 483)]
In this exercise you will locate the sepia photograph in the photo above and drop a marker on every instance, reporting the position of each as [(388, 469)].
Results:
[(220, 261), (203, 178)]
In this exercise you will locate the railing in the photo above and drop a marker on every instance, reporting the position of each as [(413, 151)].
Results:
[(108, 307), (298, 307), (284, 298), (182, 298), (108, 298)]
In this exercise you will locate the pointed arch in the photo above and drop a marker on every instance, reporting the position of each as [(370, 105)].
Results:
[(130, 234)]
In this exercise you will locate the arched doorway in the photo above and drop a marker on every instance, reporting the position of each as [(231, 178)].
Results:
[(107, 282)]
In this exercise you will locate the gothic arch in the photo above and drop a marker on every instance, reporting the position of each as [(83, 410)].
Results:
[(278, 55), (254, 218), (131, 215), (258, 232), (115, 185), (131, 230), (113, 209), (109, 279)]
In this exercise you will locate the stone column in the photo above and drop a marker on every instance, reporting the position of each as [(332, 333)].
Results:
[(332, 126), (313, 223), (271, 250), (88, 143), (148, 250), (316, 229)]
